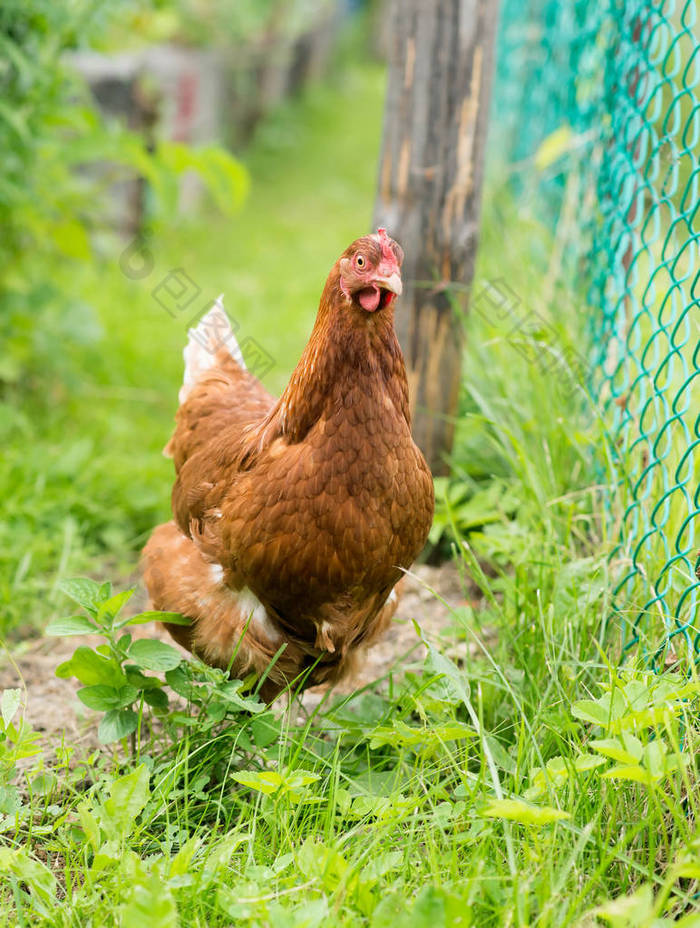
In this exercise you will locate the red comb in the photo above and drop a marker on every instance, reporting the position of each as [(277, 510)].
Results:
[(385, 242)]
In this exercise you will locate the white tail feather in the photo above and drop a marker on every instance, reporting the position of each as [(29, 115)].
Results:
[(212, 332)]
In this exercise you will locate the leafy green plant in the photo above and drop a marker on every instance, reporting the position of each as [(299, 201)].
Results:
[(248, 22), (462, 506), (114, 673), (121, 676), (53, 190)]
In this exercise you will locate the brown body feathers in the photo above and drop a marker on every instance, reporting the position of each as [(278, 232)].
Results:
[(294, 518)]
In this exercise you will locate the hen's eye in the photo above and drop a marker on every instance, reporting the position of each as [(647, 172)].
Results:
[(360, 261)]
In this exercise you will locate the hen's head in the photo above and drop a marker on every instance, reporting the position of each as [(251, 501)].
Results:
[(370, 271)]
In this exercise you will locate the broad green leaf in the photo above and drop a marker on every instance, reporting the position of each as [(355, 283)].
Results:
[(71, 625), (89, 824), (673, 688), (220, 855), (399, 733), (110, 607), (239, 902), (138, 679), (180, 863), (316, 860), (390, 912), (515, 810), (454, 678), (585, 762), (623, 754), (91, 668), (117, 724), (637, 694), (343, 800), (156, 697), (216, 711), (557, 768), (43, 784), (127, 797), (376, 806), (689, 869), (151, 654), (27, 744), (231, 692), (173, 618), (264, 781), (35, 875), (555, 774), (538, 786), (10, 801), (312, 913), (182, 718), (629, 911), (83, 591), (381, 865), (604, 711), (634, 772), (265, 729), (429, 908), (645, 718), (295, 783), (103, 698), (10, 704), (270, 781), (179, 681), (152, 903), (435, 907), (655, 759), (590, 711)]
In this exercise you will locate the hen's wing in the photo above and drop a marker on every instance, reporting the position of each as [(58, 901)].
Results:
[(221, 402)]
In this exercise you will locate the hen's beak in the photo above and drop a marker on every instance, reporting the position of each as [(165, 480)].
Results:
[(392, 283)]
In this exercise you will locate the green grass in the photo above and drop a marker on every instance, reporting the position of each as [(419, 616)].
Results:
[(517, 778)]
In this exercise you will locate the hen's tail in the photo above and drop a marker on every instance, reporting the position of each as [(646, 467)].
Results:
[(208, 344), (218, 392)]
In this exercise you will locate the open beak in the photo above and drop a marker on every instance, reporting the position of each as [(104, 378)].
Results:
[(392, 283)]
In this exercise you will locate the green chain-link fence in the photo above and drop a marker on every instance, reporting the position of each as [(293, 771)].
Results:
[(619, 84)]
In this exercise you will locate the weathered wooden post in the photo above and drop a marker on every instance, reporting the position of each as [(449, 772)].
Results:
[(430, 178)]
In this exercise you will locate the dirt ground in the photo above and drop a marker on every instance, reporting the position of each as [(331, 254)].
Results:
[(52, 708)]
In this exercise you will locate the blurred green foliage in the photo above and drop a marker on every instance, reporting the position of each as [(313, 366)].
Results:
[(248, 20), (54, 185), (243, 23), (42, 199)]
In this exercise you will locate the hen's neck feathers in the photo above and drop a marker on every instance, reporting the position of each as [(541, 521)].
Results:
[(352, 358)]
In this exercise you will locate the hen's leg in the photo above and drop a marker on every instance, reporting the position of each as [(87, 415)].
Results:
[(224, 621)]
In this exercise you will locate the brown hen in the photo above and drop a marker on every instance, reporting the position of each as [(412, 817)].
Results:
[(293, 519)]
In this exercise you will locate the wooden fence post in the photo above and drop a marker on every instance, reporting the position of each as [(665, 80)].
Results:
[(429, 192)]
